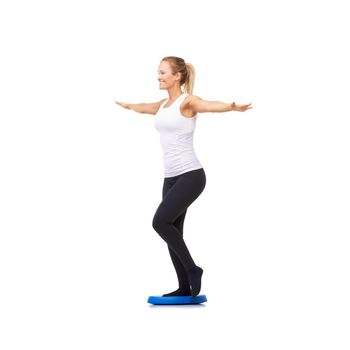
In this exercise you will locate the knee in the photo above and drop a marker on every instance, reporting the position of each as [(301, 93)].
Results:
[(158, 223), (155, 222)]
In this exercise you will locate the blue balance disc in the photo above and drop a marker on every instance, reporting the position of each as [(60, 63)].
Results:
[(180, 300)]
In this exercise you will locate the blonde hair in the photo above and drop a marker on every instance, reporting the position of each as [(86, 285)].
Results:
[(187, 71)]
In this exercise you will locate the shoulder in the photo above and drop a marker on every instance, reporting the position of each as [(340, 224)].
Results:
[(190, 100), (152, 108), (159, 103), (188, 105)]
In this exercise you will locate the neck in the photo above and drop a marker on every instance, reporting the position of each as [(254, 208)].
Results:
[(174, 93)]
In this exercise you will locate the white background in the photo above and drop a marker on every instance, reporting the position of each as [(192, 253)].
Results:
[(81, 177)]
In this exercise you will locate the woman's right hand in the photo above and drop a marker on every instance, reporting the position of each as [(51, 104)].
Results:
[(124, 105)]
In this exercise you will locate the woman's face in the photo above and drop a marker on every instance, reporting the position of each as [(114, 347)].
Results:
[(165, 77)]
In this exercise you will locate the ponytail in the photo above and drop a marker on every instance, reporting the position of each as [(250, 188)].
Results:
[(189, 83)]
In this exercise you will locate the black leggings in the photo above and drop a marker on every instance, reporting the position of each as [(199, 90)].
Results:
[(178, 194)]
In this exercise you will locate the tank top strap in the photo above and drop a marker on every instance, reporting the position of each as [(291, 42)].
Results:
[(162, 105), (184, 95), (178, 102)]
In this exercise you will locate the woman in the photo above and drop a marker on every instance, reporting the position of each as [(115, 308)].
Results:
[(184, 176)]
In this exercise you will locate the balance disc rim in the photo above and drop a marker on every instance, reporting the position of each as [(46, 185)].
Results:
[(176, 300)]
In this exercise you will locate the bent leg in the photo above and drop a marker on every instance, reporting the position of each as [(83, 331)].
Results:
[(175, 203)]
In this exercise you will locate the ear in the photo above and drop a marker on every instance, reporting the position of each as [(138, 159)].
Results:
[(178, 76)]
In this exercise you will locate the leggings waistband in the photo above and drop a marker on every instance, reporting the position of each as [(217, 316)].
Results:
[(187, 172)]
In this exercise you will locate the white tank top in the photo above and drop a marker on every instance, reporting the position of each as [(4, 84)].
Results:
[(176, 138)]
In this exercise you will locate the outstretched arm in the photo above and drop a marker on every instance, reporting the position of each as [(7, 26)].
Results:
[(196, 104), (145, 108)]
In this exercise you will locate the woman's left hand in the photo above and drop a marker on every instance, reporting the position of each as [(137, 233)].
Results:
[(240, 108)]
